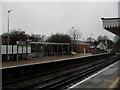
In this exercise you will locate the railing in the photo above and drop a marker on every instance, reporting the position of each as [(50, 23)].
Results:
[(15, 52)]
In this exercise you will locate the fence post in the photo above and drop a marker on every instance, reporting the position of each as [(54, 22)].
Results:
[(62, 49), (36, 50), (68, 49), (43, 49), (22, 51), (57, 50), (27, 51), (7, 52), (51, 49), (17, 53)]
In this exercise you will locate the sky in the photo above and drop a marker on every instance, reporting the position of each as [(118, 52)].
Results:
[(52, 17)]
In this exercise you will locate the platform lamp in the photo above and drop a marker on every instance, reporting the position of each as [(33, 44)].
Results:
[(73, 34), (8, 34)]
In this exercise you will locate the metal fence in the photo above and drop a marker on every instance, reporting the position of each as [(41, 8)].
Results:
[(34, 50), (15, 52)]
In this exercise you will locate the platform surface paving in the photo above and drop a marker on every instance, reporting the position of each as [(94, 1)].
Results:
[(106, 78), (43, 59)]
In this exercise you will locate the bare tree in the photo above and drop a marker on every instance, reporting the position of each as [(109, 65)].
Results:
[(37, 37), (100, 38), (75, 35), (19, 35), (59, 38), (105, 37), (90, 39), (116, 38), (14, 36)]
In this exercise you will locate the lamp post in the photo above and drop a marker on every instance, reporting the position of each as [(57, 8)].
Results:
[(91, 41), (73, 42), (8, 34)]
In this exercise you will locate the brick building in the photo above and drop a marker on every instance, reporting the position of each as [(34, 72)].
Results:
[(82, 47)]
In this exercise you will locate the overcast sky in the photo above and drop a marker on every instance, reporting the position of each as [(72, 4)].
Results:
[(51, 17)]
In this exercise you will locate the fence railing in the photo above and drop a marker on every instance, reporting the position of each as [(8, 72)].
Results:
[(15, 52), (15, 49)]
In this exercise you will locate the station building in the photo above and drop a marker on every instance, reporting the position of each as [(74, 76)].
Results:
[(41, 49)]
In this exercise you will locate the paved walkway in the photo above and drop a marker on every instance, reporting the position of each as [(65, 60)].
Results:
[(43, 59), (107, 78)]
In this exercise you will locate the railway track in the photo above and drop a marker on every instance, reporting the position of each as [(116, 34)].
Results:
[(62, 78)]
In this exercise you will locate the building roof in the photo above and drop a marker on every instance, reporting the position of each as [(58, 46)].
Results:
[(101, 41), (81, 42), (112, 25), (110, 18), (50, 43)]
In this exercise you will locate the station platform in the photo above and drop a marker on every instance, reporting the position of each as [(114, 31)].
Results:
[(108, 79), (42, 60)]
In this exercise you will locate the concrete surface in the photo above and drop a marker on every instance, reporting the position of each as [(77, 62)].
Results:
[(43, 59), (106, 78)]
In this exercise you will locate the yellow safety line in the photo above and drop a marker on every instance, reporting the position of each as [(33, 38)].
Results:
[(114, 83)]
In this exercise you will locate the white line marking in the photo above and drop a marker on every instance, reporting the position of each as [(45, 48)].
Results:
[(92, 75)]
